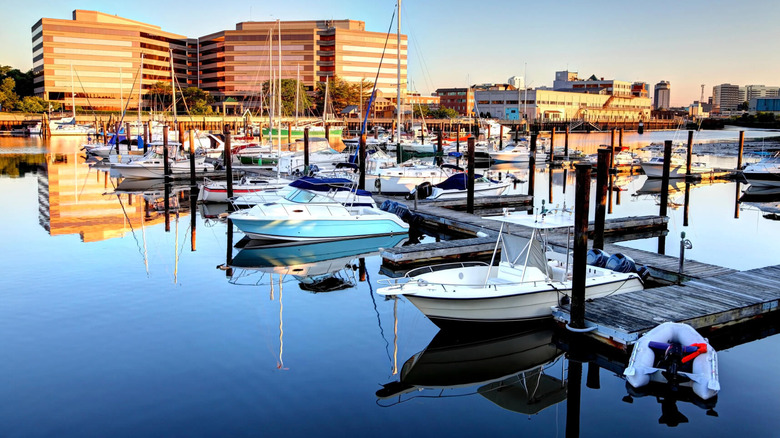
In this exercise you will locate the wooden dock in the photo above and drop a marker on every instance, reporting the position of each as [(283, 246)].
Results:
[(705, 304)]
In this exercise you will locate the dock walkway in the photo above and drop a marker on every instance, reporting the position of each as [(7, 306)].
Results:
[(705, 303)]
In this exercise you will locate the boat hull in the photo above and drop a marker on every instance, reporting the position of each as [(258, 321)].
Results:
[(656, 170)]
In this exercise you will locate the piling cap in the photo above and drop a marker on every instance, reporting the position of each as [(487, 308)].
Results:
[(682, 235)]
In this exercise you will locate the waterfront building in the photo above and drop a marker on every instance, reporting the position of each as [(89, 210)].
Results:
[(516, 81), (765, 105), (568, 81), (458, 99), (552, 105), (234, 63), (97, 57), (639, 89), (755, 91), (105, 52), (662, 96), (725, 98)]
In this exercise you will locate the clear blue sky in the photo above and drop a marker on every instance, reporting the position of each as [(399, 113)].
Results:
[(456, 42)]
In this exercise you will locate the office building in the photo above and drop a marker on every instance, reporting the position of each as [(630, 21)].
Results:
[(726, 97), (105, 52), (662, 96), (95, 58)]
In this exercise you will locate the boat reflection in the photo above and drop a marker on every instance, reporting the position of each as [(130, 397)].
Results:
[(668, 396), (318, 267), (509, 369), (764, 198)]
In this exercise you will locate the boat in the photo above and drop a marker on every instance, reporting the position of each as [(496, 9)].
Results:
[(654, 167), (764, 173), (68, 125), (152, 165), (507, 368), (402, 178), (524, 286), (516, 154), (677, 354), (455, 187), (310, 212), (623, 159), (216, 191)]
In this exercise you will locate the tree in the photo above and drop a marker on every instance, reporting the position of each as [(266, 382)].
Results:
[(24, 81), (8, 98), (160, 93), (197, 101), (32, 104), (744, 106), (342, 94), (421, 111), (444, 113)]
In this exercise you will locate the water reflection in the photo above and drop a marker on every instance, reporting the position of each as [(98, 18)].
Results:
[(317, 267), (509, 369), (763, 198)]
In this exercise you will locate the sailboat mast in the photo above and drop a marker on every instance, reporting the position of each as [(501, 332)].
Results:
[(72, 94), (140, 88), (398, 95), (173, 86), (297, 88), (271, 100), (279, 131)]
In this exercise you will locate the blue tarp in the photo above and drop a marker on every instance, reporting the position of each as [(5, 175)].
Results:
[(455, 182), (326, 184)]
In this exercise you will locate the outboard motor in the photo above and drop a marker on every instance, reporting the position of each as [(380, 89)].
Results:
[(423, 190), (621, 263), (597, 257)]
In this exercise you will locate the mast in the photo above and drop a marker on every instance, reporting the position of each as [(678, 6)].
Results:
[(72, 94), (279, 97), (325, 104), (271, 100), (279, 92), (173, 85), (140, 88), (398, 95), (297, 88), (121, 92)]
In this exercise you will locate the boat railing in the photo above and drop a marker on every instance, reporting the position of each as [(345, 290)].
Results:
[(427, 269)]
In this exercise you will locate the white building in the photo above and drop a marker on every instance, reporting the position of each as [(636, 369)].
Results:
[(726, 97), (552, 105), (516, 81), (755, 91)]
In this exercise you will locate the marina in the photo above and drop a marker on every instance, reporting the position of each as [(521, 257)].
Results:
[(156, 313)]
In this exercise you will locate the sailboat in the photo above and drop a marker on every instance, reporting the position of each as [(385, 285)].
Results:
[(68, 125)]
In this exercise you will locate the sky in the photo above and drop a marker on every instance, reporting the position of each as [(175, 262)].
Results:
[(460, 42)]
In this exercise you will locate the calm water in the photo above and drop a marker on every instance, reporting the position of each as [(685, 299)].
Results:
[(113, 326)]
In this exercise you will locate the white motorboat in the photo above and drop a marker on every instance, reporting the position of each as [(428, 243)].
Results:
[(675, 353), (455, 187), (152, 165), (764, 173), (524, 286), (623, 159), (401, 179), (216, 191), (654, 167), (311, 212), (516, 154)]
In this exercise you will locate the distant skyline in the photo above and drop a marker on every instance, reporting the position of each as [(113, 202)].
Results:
[(686, 43)]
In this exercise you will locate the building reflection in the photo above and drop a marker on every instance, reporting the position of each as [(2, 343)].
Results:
[(78, 197)]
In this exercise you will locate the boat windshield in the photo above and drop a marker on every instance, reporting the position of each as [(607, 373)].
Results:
[(307, 197)]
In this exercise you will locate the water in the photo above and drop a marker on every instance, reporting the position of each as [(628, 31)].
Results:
[(112, 326)]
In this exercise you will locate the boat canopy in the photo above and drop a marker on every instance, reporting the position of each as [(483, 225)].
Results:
[(539, 221), (327, 184), (456, 182)]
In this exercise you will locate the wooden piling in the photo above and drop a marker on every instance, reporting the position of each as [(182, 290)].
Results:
[(166, 164), (501, 137), (229, 165), (686, 205), (532, 167), (146, 137), (192, 160), (327, 132), (552, 141), (306, 150), (688, 154), (362, 162), (602, 175), (581, 208), (289, 133), (665, 177), (612, 150), (566, 143), (741, 149), (593, 380), (620, 139), (167, 199), (470, 177)]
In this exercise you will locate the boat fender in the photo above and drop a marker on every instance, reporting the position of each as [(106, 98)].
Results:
[(378, 183)]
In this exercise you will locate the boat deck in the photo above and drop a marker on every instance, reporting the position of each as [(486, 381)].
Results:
[(706, 303)]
